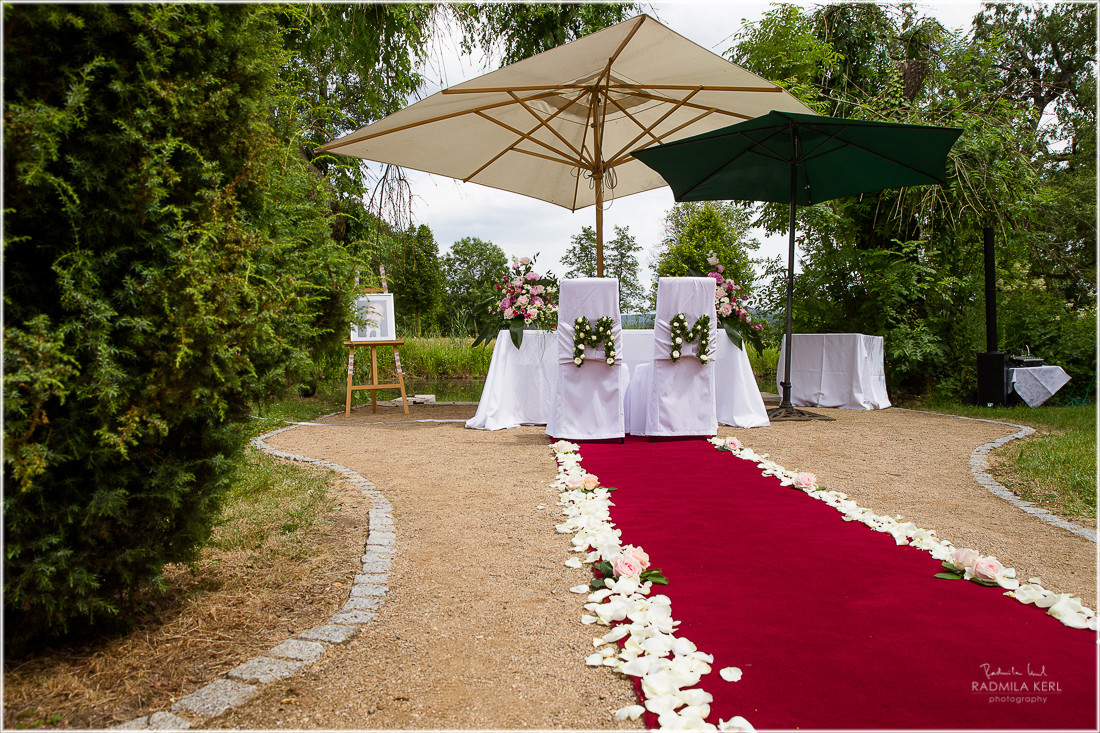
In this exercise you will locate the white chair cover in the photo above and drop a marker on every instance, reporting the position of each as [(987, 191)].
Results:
[(587, 403), (680, 395)]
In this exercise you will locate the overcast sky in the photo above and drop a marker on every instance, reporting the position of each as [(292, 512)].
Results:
[(523, 226)]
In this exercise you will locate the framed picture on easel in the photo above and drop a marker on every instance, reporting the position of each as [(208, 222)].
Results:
[(374, 318)]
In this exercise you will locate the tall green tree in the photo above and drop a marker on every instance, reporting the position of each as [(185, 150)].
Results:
[(416, 280), (167, 261), (695, 229), (471, 271), (620, 262)]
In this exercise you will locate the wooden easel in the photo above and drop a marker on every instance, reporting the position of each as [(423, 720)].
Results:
[(374, 386)]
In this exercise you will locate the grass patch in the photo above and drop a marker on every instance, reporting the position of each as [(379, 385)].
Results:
[(1056, 468), (271, 507)]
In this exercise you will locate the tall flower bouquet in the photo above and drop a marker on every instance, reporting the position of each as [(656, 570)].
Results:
[(729, 303), (524, 298)]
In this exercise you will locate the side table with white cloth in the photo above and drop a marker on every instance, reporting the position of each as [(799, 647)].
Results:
[(520, 383), (835, 370), (1036, 385)]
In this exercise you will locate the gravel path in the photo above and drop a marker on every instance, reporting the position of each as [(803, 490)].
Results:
[(479, 630)]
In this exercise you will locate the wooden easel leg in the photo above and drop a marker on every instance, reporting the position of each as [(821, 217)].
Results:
[(374, 378), (401, 380), (351, 371)]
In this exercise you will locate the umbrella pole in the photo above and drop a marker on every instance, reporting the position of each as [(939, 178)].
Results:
[(786, 383), (599, 225), (786, 410)]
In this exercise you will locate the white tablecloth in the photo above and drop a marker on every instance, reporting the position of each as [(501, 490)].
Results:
[(520, 383), (835, 370), (1036, 385)]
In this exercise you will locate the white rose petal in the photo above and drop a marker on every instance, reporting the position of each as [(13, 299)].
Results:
[(579, 589), (631, 712), (736, 723), (730, 674), (594, 660), (573, 563)]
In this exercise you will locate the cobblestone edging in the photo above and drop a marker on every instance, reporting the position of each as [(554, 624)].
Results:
[(368, 591), (979, 467)]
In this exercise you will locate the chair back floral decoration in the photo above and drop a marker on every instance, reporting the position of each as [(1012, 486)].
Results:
[(681, 334), (584, 335), (525, 299), (730, 302)]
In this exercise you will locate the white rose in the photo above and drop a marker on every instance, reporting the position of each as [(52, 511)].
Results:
[(610, 360), (675, 354), (579, 360)]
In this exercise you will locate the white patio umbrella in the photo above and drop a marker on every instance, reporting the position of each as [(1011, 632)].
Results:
[(559, 126)]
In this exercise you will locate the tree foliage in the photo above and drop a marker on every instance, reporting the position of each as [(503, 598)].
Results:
[(471, 270), (167, 261), (907, 263), (695, 229), (521, 30), (620, 262)]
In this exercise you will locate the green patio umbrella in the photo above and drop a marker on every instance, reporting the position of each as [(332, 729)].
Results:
[(801, 159)]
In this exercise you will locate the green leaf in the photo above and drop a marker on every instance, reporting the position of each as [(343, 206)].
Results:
[(948, 576), (983, 581), (733, 333), (604, 568), (515, 330), (654, 576), (596, 583)]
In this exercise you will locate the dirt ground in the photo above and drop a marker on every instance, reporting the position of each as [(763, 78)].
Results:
[(479, 630)]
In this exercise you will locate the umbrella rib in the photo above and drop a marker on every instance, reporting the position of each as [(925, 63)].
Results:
[(344, 142), (676, 104), (545, 123), (624, 155), (726, 161), (616, 86), (654, 97), (870, 152), (526, 136)]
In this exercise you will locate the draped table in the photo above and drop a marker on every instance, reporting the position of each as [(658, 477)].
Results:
[(1036, 385), (520, 382), (835, 370)]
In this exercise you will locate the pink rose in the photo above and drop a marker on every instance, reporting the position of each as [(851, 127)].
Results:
[(726, 309), (532, 276), (757, 326), (574, 482), (624, 565), (988, 568), (636, 554), (805, 481), (733, 444), (590, 481), (965, 558), (525, 260)]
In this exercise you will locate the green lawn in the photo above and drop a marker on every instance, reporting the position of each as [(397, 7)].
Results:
[(1056, 468)]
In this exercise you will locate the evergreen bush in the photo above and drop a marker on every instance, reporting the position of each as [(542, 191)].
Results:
[(167, 260)]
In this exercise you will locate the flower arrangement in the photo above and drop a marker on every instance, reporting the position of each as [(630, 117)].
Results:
[(631, 562), (729, 304), (526, 299), (584, 335), (700, 331)]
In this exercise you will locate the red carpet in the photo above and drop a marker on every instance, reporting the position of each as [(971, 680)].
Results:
[(833, 624)]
